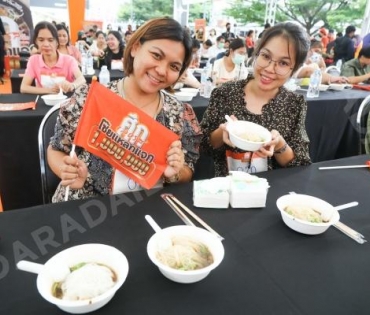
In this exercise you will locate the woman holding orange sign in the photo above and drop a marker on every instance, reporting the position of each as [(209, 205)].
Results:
[(156, 56)]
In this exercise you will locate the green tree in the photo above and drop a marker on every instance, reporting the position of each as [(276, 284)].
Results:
[(311, 14), (247, 11), (139, 11)]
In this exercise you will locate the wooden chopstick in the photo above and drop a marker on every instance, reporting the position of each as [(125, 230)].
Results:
[(199, 220), (177, 210)]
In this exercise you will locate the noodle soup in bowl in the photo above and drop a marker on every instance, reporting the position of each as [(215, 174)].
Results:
[(200, 239), (107, 257), (248, 136)]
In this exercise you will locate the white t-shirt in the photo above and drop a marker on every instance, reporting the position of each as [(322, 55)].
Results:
[(220, 72)]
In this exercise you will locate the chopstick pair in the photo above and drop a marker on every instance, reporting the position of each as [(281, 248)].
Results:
[(358, 237), (175, 205)]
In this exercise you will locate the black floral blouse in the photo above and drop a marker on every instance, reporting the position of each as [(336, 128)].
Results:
[(286, 113), (178, 117)]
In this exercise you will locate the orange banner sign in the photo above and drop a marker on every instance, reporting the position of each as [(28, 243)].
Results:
[(124, 136)]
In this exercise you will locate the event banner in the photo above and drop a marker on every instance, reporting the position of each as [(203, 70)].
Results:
[(124, 136), (17, 20)]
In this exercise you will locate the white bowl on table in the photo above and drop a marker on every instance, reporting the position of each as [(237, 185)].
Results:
[(337, 86), (192, 91), (240, 130), (53, 99), (94, 253), (203, 236), (323, 87), (184, 96), (327, 211)]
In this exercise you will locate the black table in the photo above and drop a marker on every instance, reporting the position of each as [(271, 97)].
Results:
[(17, 76), (268, 268), (330, 122), (20, 180)]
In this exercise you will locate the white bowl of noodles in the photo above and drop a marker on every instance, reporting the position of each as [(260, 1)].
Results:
[(187, 242), (307, 214), (88, 297), (247, 136)]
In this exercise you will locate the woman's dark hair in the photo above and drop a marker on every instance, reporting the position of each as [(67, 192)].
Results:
[(160, 28), (109, 53), (100, 32), (250, 32), (208, 43), (45, 25), (234, 45), (64, 28), (195, 43), (294, 34)]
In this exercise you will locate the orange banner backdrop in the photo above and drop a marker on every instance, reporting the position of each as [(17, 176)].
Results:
[(124, 136), (76, 11)]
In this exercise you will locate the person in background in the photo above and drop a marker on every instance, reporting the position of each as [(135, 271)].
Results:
[(228, 34), (344, 48), (64, 43), (114, 52), (226, 48), (81, 43), (187, 80), (231, 66), (99, 47), (212, 36), (128, 35), (324, 38), (315, 61), (157, 55), (357, 70), (204, 49), (249, 42), (262, 99), (50, 69), (217, 48), (195, 56), (266, 27)]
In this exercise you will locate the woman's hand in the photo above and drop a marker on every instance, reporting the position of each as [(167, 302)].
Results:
[(175, 159), (54, 89), (67, 86), (268, 149), (340, 80), (225, 133), (73, 172)]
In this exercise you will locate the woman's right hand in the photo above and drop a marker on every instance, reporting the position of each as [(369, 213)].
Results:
[(225, 133), (73, 172), (55, 89)]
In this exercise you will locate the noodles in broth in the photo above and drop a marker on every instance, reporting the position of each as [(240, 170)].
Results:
[(185, 254)]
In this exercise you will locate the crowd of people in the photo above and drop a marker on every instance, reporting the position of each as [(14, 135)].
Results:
[(160, 55)]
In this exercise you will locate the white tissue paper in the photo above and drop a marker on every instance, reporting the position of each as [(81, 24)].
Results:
[(211, 193), (247, 191)]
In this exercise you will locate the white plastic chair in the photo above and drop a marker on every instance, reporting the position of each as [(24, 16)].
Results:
[(361, 122), (333, 70)]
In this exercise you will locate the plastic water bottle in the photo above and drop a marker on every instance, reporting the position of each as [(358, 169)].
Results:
[(315, 81), (104, 76), (89, 63), (203, 81), (208, 88), (84, 63), (339, 64)]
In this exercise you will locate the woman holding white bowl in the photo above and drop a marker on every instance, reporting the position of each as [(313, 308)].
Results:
[(261, 98)]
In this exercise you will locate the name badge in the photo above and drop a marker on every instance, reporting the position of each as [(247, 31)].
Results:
[(248, 162), (123, 184)]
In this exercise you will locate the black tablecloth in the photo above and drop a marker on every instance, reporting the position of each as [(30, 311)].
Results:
[(268, 268), (16, 77), (20, 180), (330, 122)]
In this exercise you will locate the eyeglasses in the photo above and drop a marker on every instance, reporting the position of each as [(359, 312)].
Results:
[(281, 67)]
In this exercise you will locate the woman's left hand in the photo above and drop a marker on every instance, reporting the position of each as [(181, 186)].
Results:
[(340, 80), (268, 149), (175, 159), (67, 86)]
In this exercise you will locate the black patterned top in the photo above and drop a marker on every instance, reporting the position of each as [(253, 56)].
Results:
[(179, 118), (286, 113)]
